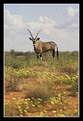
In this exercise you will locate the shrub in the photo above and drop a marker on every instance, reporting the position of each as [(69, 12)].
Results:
[(70, 68), (39, 89)]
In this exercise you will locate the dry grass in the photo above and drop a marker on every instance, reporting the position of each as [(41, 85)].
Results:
[(37, 88), (70, 68)]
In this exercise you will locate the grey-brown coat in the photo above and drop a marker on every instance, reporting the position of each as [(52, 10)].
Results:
[(42, 47)]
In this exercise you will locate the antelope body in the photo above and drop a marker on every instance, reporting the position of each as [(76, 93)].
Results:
[(42, 47)]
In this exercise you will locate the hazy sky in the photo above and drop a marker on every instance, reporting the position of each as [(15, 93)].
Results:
[(60, 23)]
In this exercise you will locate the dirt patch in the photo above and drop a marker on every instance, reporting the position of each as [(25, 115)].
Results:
[(73, 105), (10, 96), (62, 88)]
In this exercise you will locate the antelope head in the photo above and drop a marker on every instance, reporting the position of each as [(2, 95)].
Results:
[(32, 38)]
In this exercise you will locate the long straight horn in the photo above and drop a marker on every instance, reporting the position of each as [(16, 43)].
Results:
[(37, 34), (30, 33)]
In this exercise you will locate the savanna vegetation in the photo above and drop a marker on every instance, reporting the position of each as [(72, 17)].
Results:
[(41, 88)]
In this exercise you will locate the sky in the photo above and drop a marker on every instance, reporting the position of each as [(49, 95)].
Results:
[(59, 23)]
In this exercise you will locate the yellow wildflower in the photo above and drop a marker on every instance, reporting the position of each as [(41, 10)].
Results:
[(52, 102), (54, 111), (28, 98), (14, 98)]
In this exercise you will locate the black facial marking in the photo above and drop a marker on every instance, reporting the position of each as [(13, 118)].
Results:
[(34, 42)]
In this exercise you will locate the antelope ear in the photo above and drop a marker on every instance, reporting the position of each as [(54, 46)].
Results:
[(38, 39), (30, 38)]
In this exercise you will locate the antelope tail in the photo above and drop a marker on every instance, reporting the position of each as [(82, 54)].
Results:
[(56, 49)]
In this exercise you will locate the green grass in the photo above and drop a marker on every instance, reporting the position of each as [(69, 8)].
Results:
[(39, 80)]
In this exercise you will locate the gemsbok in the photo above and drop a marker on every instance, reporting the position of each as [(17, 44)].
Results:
[(42, 47)]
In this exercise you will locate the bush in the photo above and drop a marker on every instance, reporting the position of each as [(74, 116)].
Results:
[(39, 90), (70, 68)]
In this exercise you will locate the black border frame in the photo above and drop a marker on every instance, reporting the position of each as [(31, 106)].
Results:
[(2, 2)]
